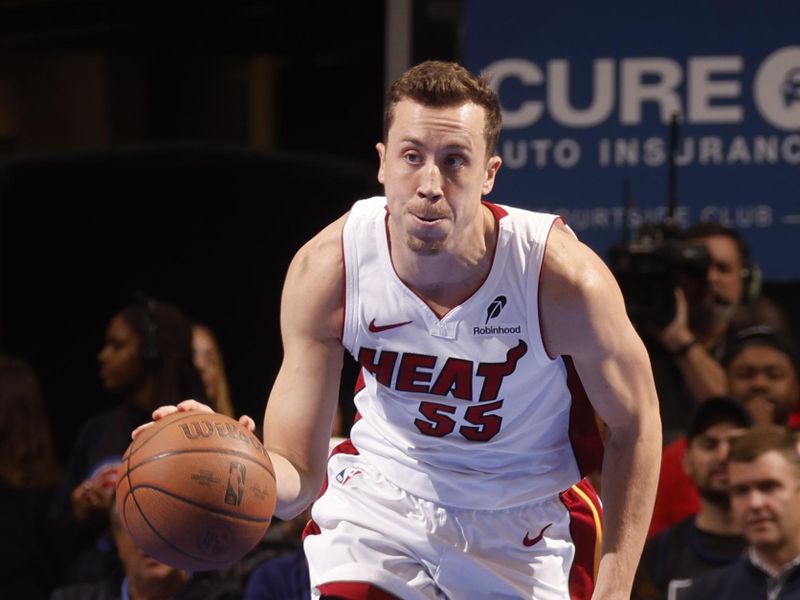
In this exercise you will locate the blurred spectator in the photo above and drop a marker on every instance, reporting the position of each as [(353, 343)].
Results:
[(285, 576), (763, 373), (710, 539), (145, 578), (686, 353), (146, 362), (208, 361), (29, 474), (764, 475)]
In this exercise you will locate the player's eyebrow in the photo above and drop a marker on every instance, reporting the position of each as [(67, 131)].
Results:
[(451, 145)]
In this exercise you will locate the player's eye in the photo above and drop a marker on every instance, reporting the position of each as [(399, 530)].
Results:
[(454, 161), (412, 158)]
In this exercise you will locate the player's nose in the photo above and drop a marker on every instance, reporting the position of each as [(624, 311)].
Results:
[(430, 183)]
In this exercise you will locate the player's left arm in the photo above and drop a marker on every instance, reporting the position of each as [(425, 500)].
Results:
[(583, 316)]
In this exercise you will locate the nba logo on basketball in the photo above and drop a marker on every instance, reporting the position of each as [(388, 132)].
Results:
[(235, 490)]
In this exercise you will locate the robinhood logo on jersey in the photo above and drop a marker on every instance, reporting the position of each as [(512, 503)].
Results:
[(493, 311), (497, 330)]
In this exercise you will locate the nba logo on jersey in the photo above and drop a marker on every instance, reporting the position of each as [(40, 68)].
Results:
[(347, 474)]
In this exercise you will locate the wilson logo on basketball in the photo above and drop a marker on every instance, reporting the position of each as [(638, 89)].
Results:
[(202, 429)]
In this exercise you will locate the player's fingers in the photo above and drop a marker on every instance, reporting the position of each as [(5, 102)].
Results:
[(138, 431), (194, 405), (163, 411), (248, 422)]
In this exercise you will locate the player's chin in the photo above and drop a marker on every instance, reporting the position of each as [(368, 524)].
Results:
[(426, 245)]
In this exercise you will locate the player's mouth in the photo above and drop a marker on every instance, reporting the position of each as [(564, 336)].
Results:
[(427, 220)]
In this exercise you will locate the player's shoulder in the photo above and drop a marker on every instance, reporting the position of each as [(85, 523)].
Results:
[(572, 265), (322, 252), (313, 290)]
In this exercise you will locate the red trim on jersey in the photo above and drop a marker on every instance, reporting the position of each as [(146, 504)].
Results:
[(360, 385), (346, 447), (584, 426), (354, 590), (498, 211), (311, 528), (586, 537), (539, 289)]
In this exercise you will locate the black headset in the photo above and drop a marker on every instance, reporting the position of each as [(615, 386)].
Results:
[(148, 350), (752, 277)]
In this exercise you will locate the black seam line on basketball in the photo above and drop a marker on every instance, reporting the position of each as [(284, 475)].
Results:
[(235, 453), (169, 542), (211, 509)]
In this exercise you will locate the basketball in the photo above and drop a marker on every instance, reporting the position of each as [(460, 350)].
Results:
[(196, 490)]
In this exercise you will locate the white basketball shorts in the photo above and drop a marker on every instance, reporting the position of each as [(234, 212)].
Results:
[(367, 534)]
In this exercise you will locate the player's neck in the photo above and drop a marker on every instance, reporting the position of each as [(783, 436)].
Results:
[(447, 278)]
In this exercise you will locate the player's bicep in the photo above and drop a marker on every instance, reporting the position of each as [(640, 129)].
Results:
[(585, 318)]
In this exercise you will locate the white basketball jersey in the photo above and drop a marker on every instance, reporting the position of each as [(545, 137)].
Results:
[(467, 410)]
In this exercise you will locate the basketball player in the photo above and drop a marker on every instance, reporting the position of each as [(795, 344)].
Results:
[(492, 343)]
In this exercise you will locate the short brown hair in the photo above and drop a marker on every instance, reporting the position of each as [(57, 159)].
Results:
[(763, 439), (442, 84)]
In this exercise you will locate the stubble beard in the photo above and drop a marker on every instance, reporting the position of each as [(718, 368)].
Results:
[(424, 247)]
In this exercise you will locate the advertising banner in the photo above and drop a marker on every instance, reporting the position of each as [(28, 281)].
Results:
[(589, 91)]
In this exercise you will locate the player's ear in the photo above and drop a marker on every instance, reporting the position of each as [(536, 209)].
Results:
[(381, 148), (492, 166)]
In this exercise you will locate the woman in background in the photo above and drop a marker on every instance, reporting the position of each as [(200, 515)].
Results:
[(146, 361), (29, 474), (208, 361)]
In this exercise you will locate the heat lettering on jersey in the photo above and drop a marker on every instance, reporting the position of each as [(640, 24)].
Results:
[(415, 372)]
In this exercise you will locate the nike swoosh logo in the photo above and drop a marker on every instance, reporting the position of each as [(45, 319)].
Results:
[(378, 328), (531, 542)]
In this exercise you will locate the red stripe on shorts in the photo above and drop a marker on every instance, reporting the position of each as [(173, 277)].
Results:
[(354, 590), (585, 528)]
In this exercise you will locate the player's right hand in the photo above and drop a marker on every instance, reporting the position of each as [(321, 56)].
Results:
[(185, 406)]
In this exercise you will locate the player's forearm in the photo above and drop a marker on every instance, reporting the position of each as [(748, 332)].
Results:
[(630, 477), (296, 489)]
